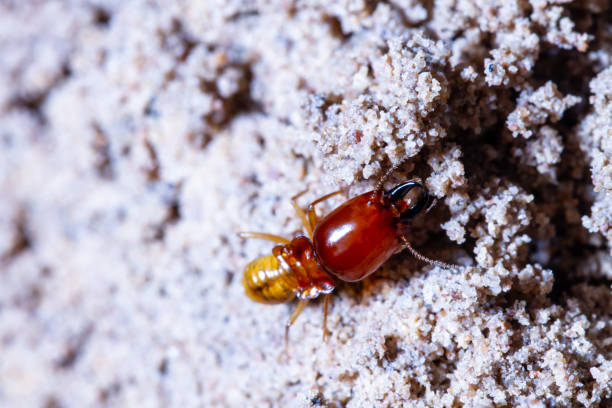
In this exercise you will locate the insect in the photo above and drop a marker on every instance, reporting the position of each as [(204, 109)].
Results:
[(348, 244)]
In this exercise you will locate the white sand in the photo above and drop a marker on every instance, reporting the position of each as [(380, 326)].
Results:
[(137, 138)]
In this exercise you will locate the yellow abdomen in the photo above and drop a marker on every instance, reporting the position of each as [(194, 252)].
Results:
[(267, 280)]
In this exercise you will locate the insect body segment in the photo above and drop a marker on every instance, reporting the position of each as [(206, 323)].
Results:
[(267, 280), (357, 238), (291, 271)]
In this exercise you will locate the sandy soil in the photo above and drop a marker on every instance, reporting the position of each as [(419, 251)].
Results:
[(138, 137)]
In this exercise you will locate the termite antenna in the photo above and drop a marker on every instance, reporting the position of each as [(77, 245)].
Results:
[(381, 182), (429, 260)]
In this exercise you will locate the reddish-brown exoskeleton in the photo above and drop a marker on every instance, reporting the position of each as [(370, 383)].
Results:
[(348, 244)]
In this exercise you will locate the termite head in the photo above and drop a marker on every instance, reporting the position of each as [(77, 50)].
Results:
[(409, 199)]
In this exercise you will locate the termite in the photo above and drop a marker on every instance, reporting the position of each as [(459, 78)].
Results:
[(348, 244)]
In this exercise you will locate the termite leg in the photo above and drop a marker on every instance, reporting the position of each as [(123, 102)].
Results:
[(312, 215), (325, 309), (264, 235), (294, 315), (301, 214)]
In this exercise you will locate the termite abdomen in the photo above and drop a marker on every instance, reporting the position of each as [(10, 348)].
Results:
[(292, 270)]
